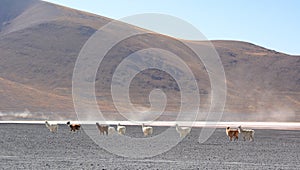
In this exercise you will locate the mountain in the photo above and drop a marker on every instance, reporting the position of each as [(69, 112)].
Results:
[(40, 42)]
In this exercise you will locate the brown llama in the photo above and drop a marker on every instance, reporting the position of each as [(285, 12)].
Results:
[(102, 128), (232, 133), (73, 127)]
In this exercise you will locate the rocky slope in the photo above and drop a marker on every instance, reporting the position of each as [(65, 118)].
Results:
[(40, 42)]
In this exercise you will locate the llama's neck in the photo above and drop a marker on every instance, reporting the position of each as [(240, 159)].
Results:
[(241, 129), (227, 131), (178, 127)]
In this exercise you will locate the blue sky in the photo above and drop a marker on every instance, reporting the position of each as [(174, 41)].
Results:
[(274, 24)]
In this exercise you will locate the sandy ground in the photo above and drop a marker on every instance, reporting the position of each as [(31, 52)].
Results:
[(34, 147)]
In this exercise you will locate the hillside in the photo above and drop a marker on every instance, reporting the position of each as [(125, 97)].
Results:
[(40, 42)]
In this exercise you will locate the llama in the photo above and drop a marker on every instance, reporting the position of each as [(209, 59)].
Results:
[(183, 131), (232, 133), (246, 133), (102, 128), (121, 129), (147, 130), (73, 127), (52, 127)]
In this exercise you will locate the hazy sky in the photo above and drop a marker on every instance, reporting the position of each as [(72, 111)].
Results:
[(274, 24)]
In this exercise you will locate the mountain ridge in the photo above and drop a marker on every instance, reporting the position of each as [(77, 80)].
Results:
[(41, 55)]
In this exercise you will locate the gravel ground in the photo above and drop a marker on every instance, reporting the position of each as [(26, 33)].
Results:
[(26, 146)]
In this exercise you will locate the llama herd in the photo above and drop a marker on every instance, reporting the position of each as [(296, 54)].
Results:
[(104, 129), (54, 126), (247, 134), (109, 130)]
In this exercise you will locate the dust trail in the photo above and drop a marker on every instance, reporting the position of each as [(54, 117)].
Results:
[(34, 116)]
